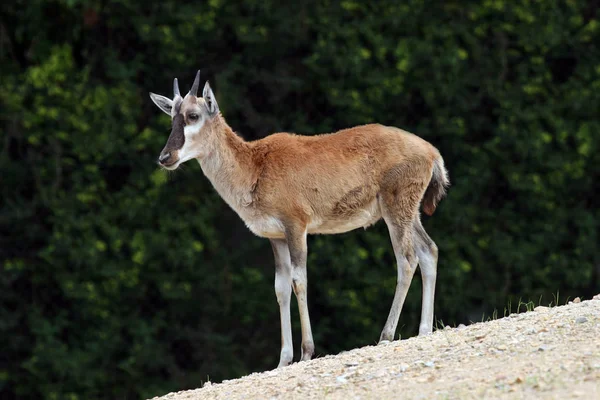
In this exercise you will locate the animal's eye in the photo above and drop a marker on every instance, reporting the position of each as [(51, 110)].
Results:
[(193, 117)]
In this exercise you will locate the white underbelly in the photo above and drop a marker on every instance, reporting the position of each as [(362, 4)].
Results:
[(266, 226)]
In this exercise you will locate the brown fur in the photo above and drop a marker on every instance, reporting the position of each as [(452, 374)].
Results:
[(333, 176)]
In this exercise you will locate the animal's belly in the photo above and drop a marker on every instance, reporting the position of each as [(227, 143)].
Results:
[(344, 223), (272, 228)]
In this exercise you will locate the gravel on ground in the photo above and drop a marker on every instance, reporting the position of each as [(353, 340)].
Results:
[(547, 353)]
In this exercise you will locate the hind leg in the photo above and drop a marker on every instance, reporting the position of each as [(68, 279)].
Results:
[(401, 192), (398, 214), (406, 261), (427, 253)]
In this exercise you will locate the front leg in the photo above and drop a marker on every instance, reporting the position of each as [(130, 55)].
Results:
[(283, 291), (296, 239)]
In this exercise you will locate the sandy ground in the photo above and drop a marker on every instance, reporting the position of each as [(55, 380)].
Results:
[(548, 353)]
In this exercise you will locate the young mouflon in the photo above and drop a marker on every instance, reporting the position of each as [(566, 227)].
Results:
[(287, 186)]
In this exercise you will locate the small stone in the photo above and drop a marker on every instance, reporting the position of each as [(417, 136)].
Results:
[(576, 300), (429, 364), (207, 384), (543, 348), (461, 326), (531, 331), (596, 297), (541, 309), (540, 385), (581, 320), (502, 347), (424, 379), (351, 364), (403, 367), (519, 379), (378, 375), (341, 379)]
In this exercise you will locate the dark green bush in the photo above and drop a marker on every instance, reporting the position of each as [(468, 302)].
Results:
[(121, 281)]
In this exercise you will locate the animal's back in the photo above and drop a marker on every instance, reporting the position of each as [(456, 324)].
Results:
[(321, 161), (289, 149)]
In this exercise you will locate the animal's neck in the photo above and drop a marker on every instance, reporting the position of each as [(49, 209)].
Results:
[(228, 164)]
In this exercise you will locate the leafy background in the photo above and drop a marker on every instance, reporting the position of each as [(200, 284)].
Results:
[(120, 281)]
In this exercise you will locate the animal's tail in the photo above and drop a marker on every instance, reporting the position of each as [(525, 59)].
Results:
[(437, 186)]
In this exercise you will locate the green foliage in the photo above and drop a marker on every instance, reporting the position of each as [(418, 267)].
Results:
[(121, 281)]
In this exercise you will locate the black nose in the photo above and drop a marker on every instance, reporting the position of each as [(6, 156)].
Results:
[(164, 157)]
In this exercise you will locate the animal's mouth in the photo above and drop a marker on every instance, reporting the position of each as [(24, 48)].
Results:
[(169, 164), (169, 159)]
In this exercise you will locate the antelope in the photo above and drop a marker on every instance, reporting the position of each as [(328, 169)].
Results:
[(286, 186)]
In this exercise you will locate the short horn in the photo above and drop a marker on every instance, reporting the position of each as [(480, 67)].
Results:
[(176, 88), (194, 89)]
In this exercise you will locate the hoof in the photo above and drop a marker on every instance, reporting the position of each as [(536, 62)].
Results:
[(425, 331), (307, 351), (286, 358), (386, 337)]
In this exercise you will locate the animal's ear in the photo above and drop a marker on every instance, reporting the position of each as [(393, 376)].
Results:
[(209, 98), (162, 102)]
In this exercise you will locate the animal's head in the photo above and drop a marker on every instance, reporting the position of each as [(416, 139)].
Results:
[(192, 118)]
